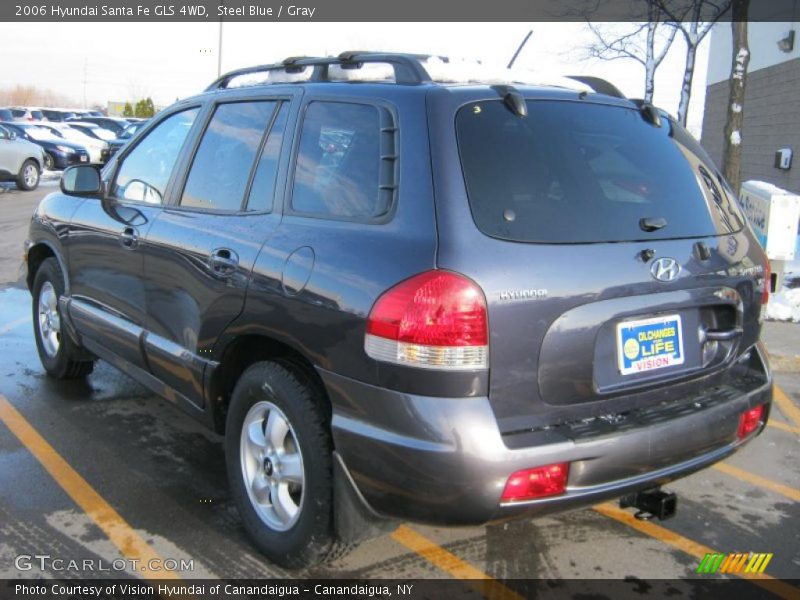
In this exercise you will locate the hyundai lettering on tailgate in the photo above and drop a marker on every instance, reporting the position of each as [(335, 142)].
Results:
[(649, 344)]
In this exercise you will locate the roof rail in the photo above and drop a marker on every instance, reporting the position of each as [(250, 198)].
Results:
[(600, 86), (408, 69)]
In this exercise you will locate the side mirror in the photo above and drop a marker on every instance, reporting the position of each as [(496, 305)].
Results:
[(12, 135), (82, 180)]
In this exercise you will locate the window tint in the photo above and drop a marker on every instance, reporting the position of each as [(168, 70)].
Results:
[(144, 173), (338, 162), (222, 165), (578, 172), (262, 191)]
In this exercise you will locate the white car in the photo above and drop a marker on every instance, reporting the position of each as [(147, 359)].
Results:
[(20, 161), (92, 129), (94, 146)]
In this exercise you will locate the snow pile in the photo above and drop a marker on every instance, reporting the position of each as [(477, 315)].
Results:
[(785, 305)]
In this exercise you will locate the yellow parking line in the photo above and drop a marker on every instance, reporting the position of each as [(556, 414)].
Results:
[(452, 565), (687, 546), (122, 535), (15, 323), (773, 486), (783, 426), (786, 406)]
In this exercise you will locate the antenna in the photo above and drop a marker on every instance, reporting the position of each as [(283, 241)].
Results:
[(519, 49)]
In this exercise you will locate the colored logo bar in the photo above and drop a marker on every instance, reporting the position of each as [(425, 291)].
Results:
[(737, 562)]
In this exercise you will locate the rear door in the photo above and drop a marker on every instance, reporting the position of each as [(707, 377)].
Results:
[(201, 249), (612, 255)]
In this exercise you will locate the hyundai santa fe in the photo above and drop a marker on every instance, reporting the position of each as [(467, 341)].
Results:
[(401, 296)]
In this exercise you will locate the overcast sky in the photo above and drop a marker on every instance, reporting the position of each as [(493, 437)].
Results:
[(126, 61)]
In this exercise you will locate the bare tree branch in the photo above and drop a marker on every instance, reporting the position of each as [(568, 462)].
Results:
[(645, 43)]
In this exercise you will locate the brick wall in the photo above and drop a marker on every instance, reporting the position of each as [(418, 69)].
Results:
[(771, 121)]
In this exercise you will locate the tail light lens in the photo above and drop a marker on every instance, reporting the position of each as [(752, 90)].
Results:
[(750, 420), (536, 483), (766, 290), (767, 283), (435, 320)]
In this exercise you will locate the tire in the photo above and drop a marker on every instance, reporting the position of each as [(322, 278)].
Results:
[(28, 177), (265, 391), (57, 352), (49, 162)]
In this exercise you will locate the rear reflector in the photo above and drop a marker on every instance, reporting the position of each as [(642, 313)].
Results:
[(750, 421), (538, 482), (435, 320)]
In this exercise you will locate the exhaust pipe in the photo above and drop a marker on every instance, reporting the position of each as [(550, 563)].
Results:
[(651, 503)]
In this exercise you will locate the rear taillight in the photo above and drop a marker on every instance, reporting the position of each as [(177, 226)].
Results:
[(750, 420), (434, 320), (537, 482), (765, 291)]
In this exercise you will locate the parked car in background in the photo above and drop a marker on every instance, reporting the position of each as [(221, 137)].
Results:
[(113, 124), (22, 114), (20, 160), (57, 115), (58, 153), (98, 149), (124, 137), (92, 130), (6, 114)]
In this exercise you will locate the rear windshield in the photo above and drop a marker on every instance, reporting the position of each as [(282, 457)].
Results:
[(575, 172)]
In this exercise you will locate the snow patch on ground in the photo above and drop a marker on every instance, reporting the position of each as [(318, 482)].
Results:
[(785, 305)]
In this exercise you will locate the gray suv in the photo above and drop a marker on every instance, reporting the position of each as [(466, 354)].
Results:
[(451, 303)]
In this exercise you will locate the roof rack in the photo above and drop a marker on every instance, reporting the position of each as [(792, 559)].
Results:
[(408, 69)]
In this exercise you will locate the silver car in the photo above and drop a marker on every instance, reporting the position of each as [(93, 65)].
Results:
[(20, 160)]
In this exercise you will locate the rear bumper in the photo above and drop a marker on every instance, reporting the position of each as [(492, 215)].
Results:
[(444, 460)]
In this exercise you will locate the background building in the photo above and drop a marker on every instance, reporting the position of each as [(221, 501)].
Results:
[(772, 100)]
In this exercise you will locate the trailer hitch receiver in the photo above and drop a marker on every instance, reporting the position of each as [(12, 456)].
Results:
[(651, 503)]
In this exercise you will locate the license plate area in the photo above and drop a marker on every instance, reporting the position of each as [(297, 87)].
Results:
[(646, 345)]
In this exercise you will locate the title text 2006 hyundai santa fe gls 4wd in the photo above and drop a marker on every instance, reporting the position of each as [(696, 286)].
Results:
[(444, 302)]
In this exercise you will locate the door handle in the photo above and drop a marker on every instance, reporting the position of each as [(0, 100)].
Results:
[(720, 335), (224, 261), (129, 237)]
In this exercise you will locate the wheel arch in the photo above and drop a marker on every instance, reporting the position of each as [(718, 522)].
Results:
[(243, 351), (36, 254)]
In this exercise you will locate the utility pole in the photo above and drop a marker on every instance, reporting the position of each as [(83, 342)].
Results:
[(219, 53), (85, 65)]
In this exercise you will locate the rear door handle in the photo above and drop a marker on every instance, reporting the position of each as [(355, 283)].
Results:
[(129, 237), (224, 261)]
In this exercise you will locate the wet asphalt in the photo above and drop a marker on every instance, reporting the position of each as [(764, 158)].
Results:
[(164, 474)]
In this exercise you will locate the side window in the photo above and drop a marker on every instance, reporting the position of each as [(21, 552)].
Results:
[(262, 191), (221, 168), (144, 173), (338, 168)]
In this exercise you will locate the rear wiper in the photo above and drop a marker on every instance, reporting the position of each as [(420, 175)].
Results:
[(652, 223)]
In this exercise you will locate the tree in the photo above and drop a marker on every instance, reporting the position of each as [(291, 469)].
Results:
[(732, 144), (145, 108), (694, 19), (128, 110), (646, 43)]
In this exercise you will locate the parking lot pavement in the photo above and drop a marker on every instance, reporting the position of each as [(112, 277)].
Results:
[(102, 469), (16, 208)]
